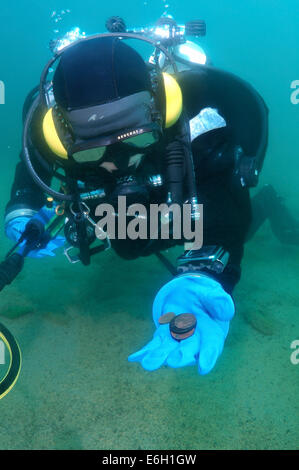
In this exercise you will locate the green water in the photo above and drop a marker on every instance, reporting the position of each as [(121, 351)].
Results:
[(76, 326)]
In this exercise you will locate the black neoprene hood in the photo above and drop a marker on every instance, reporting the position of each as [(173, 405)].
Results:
[(99, 71)]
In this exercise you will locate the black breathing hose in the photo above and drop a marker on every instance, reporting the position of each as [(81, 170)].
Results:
[(175, 169), (179, 162), (189, 162), (27, 160), (28, 102)]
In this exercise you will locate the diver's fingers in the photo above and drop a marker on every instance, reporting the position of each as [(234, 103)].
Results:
[(154, 354), (57, 242), (40, 253), (187, 352), (157, 357), (153, 344)]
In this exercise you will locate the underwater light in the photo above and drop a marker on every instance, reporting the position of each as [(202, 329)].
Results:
[(191, 52)]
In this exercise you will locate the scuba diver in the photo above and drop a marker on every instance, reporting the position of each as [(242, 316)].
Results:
[(174, 130)]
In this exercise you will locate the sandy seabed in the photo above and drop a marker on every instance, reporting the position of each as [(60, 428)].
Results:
[(77, 325)]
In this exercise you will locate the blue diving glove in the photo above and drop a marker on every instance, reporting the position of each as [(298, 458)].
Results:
[(14, 229), (213, 308)]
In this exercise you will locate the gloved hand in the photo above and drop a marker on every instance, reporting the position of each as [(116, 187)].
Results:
[(213, 308), (16, 227)]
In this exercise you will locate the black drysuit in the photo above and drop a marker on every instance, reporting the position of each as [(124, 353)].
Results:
[(227, 209)]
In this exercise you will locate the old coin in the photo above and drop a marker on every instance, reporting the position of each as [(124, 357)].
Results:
[(182, 336), (166, 318), (183, 323)]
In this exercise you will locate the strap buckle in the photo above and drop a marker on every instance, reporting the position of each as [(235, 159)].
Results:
[(211, 258)]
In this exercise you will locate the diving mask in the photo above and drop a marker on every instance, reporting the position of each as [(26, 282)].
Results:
[(136, 139)]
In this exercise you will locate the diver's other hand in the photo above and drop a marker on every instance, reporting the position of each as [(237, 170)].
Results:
[(213, 309), (16, 227), (52, 245)]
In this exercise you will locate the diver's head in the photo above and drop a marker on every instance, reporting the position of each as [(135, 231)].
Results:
[(107, 98)]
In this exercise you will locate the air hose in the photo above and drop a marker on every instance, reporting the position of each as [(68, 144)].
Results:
[(179, 162), (27, 160), (189, 161), (175, 168)]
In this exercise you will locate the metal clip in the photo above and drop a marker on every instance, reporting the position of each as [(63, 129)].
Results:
[(71, 259), (212, 258)]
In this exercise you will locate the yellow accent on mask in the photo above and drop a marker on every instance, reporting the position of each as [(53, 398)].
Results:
[(174, 100), (51, 136)]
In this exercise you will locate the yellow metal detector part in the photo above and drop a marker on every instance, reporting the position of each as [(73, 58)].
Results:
[(15, 362)]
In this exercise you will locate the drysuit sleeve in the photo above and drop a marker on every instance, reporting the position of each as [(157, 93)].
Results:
[(226, 205), (25, 194)]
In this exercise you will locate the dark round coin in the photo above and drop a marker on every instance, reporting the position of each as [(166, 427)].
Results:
[(166, 318), (182, 336), (183, 323)]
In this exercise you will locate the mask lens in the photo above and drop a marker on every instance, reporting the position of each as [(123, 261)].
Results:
[(91, 155), (96, 153)]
